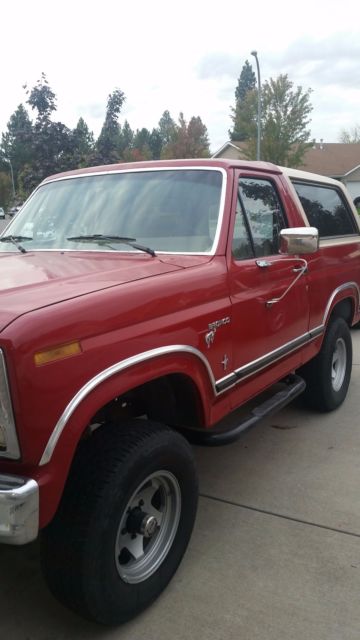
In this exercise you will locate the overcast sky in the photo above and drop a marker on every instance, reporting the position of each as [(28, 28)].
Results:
[(181, 56)]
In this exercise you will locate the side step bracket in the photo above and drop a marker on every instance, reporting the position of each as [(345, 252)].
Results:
[(216, 437)]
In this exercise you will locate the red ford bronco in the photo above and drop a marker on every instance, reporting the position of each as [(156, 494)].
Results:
[(140, 306)]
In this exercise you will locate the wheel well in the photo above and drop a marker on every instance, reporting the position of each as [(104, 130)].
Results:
[(344, 309), (171, 399)]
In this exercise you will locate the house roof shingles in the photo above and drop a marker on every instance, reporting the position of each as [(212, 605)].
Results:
[(332, 159)]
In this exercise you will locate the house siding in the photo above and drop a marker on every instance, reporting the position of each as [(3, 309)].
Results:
[(353, 187), (231, 153)]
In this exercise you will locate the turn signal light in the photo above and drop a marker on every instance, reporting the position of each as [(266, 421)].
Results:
[(57, 353)]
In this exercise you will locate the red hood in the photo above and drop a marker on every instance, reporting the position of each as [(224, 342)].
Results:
[(34, 280)]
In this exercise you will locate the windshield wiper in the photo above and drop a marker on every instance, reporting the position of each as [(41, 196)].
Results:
[(105, 239), (16, 241)]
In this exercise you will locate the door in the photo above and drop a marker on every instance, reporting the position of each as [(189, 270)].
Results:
[(270, 309)]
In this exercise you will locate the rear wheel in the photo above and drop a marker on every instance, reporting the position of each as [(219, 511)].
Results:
[(328, 375), (124, 522)]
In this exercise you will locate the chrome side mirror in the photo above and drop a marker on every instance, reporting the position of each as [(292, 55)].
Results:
[(299, 240)]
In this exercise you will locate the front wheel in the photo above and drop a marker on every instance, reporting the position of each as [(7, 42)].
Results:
[(124, 522), (328, 375)]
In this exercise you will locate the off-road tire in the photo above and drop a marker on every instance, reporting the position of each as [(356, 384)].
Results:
[(79, 547), (328, 375)]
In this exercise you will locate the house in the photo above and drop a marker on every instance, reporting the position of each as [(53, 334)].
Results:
[(333, 159)]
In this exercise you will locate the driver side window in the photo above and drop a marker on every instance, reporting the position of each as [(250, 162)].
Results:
[(262, 216)]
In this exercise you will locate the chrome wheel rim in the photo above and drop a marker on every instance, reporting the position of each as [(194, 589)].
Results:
[(338, 364), (148, 527)]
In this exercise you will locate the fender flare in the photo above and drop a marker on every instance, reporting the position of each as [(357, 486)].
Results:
[(340, 293), (203, 378)]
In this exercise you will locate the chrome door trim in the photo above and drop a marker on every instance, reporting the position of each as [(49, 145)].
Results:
[(249, 369)]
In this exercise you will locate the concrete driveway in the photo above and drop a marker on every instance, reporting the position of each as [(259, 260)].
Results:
[(275, 554)]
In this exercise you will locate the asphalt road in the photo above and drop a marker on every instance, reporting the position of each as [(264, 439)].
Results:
[(275, 553)]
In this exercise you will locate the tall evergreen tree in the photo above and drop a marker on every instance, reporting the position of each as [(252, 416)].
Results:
[(198, 138), (108, 143), (141, 145), (245, 89), (17, 141), (82, 142), (126, 137), (246, 81), (141, 138), (167, 128), (155, 144)]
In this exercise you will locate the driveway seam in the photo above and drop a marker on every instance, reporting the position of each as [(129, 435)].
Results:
[(281, 515)]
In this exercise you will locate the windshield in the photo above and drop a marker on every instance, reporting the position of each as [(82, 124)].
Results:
[(166, 210)]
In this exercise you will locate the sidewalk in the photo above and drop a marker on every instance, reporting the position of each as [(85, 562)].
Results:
[(275, 553)]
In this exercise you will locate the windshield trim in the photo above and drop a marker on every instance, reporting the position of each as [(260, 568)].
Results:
[(211, 252)]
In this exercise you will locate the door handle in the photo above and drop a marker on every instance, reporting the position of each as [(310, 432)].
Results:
[(263, 263), (299, 269)]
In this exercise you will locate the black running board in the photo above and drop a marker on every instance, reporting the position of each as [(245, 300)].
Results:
[(216, 437)]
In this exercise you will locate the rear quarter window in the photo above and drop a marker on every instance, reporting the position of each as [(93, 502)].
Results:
[(326, 209)]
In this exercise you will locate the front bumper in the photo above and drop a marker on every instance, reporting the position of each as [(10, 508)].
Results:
[(19, 509)]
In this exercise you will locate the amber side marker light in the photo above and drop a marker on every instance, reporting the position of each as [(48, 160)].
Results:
[(57, 353)]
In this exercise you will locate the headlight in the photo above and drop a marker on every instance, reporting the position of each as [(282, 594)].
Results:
[(9, 445)]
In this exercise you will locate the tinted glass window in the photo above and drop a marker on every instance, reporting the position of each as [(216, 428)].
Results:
[(264, 214), (325, 209)]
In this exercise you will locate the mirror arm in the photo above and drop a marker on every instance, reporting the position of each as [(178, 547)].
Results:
[(301, 272)]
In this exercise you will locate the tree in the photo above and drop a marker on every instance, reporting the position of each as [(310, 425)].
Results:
[(5, 189), (43, 147), (246, 84), (141, 145), (108, 143), (82, 142), (155, 144), (285, 118), (178, 143), (42, 98), (51, 141), (17, 142), (350, 136), (285, 136), (126, 137), (40, 146), (167, 128), (188, 140), (244, 117), (141, 138), (198, 138)]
